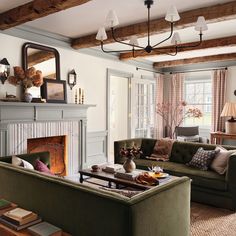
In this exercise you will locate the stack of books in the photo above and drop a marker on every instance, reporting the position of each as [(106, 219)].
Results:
[(6, 206), (112, 168), (128, 176), (19, 218), (45, 229)]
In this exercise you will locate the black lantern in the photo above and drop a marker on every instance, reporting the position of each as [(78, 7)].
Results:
[(72, 79), (4, 70)]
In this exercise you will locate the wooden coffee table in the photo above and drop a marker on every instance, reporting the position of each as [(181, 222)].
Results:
[(110, 178)]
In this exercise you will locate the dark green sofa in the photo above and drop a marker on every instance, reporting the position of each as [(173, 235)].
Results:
[(85, 211), (207, 186)]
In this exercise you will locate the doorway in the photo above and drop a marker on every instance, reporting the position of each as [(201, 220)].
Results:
[(118, 109)]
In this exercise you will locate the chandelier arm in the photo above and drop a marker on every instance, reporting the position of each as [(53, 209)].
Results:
[(149, 26), (114, 51), (118, 41), (171, 33), (192, 46)]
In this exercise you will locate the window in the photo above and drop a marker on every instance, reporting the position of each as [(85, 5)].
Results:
[(198, 93), (144, 97)]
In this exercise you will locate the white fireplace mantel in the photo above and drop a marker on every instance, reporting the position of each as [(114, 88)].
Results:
[(20, 121)]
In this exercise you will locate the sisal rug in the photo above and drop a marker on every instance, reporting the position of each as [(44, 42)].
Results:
[(211, 221)]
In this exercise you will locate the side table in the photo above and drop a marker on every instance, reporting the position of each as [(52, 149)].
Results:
[(217, 137)]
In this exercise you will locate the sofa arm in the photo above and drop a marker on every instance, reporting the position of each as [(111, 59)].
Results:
[(231, 177)]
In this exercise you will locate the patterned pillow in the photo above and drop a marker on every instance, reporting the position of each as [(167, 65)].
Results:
[(41, 167), (202, 159)]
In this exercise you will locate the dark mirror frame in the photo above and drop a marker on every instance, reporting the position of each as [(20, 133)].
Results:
[(28, 45)]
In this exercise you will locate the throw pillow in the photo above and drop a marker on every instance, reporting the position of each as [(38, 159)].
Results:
[(16, 161), (202, 158), (41, 167), (162, 149), (220, 162)]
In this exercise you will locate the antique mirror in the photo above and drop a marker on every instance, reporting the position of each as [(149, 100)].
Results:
[(43, 58)]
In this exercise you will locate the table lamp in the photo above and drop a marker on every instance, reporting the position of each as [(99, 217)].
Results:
[(229, 110)]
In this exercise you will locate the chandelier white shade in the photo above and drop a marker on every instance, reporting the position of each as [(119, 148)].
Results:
[(172, 16), (201, 24), (175, 39), (101, 35), (111, 19)]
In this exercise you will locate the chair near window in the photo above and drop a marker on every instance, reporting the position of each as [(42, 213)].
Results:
[(189, 134)]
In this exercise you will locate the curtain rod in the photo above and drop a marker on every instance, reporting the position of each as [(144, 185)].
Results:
[(138, 68), (197, 70)]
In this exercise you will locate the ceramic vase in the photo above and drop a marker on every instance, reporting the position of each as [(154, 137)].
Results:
[(129, 165), (27, 96)]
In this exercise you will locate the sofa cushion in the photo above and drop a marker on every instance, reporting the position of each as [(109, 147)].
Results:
[(41, 167), (201, 178), (16, 161), (202, 158), (194, 138), (183, 152), (220, 162)]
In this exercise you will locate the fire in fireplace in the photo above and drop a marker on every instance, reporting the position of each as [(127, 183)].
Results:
[(57, 146)]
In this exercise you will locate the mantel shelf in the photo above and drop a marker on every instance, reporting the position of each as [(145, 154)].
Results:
[(18, 112)]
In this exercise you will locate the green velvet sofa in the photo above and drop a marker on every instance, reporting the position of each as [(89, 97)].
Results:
[(207, 187), (85, 211)]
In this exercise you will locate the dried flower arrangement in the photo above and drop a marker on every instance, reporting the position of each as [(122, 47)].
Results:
[(29, 78), (131, 152), (174, 115)]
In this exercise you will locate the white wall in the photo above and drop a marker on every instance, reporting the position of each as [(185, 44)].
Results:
[(91, 73)]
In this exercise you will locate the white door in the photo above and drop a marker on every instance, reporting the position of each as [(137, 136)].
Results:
[(118, 111)]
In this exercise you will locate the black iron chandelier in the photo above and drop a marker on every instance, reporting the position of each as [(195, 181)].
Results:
[(172, 16)]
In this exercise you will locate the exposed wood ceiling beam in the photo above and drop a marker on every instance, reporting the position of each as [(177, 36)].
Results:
[(212, 14), (34, 10), (211, 43), (39, 57), (195, 60)]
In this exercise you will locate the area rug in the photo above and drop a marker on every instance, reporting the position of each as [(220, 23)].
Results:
[(211, 221)]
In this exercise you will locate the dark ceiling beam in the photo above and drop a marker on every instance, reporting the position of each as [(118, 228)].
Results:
[(212, 14), (35, 10), (211, 43), (195, 60)]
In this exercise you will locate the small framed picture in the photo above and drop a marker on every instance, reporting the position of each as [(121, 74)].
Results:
[(54, 91)]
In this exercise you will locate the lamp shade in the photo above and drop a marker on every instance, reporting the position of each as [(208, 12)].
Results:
[(134, 41), (175, 39), (201, 24), (101, 35), (112, 19), (229, 110), (172, 14)]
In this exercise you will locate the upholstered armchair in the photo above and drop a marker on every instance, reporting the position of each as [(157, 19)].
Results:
[(189, 134)]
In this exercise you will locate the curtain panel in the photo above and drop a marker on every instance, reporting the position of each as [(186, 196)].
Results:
[(219, 78)]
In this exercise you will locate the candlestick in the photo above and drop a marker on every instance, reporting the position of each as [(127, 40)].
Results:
[(76, 96), (80, 96), (82, 99)]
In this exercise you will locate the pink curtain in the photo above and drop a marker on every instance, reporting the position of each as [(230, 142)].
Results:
[(159, 125), (175, 96), (219, 78)]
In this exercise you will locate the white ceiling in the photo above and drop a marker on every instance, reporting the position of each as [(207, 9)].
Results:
[(87, 18)]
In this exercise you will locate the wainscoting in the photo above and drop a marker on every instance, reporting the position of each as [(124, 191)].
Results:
[(97, 148)]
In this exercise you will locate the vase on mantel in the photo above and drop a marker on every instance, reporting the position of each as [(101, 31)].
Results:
[(27, 96), (129, 165)]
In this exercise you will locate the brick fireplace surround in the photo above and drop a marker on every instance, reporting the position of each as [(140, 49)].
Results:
[(21, 123)]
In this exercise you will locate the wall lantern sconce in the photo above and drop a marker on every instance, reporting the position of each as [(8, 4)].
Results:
[(72, 79), (4, 70)]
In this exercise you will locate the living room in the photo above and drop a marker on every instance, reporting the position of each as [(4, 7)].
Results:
[(111, 91)]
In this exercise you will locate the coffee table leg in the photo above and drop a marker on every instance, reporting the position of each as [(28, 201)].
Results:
[(81, 179), (109, 184), (117, 186)]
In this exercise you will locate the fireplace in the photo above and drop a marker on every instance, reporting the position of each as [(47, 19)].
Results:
[(56, 146), (24, 125)]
